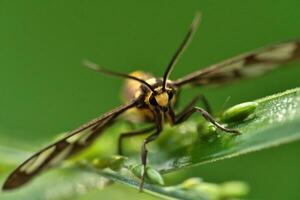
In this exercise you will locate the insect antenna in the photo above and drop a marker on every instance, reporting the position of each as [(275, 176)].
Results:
[(188, 37), (97, 68)]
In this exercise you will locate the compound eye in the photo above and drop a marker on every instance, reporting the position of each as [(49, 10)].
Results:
[(170, 94), (153, 101)]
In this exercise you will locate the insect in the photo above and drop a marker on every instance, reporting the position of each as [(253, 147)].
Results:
[(152, 99)]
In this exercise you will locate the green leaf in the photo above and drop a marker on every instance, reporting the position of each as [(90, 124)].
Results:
[(161, 192), (275, 121), (191, 189), (68, 182)]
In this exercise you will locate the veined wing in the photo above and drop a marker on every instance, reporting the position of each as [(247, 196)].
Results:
[(247, 65), (53, 154)]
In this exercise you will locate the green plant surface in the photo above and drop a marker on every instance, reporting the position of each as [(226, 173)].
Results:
[(275, 121), (190, 189), (158, 191), (77, 181), (68, 183)]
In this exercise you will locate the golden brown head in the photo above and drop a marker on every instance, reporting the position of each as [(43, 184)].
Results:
[(161, 97)]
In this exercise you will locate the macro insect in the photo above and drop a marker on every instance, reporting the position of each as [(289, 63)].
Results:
[(151, 99)]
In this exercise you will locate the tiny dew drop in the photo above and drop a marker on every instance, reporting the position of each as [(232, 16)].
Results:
[(239, 112)]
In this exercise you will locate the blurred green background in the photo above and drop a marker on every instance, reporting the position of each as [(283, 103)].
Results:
[(45, 90)]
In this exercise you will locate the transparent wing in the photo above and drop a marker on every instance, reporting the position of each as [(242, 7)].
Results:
[(247, 65), (53, 154)]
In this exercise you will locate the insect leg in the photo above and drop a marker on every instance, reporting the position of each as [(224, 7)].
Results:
[(192, 104), (144, 151), (131, 134), (206, 104), (185, 115)]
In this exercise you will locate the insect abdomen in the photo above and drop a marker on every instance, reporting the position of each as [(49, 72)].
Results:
[(132, 88)]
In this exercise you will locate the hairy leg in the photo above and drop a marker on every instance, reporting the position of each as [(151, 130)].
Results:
[(189, 111), (193, 103), (144, 151)]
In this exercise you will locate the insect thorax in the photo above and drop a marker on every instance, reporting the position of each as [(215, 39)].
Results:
[(136, 90)]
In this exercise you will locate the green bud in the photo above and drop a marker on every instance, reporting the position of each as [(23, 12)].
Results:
[(154, 176), (136, 170), (239, 112), (191, 183), (117, 162), (100, 163), (227, 190), (206, 130), (151, 174), (211, 190), (113, 162), (234, 189)]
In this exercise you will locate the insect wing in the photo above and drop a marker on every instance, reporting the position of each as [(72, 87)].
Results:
[(62, 149), (248, 65)]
